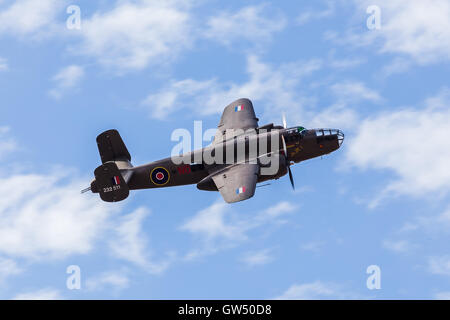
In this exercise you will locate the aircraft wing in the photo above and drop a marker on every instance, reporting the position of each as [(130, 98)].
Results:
[(237, 115), (238, 182)]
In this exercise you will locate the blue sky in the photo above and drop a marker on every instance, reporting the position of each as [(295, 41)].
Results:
[(147, 68)]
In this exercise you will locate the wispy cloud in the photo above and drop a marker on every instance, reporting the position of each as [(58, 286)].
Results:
[(134, 35), (42, 294), (7, 144), (280, 208), (51, 221), (316, 290), (309, 15), (398, 246), (415, 29), (338, 115), (114, 281), (8, 267), (354, 91), (429, 223), (65, 80), (261, 23), (212, 224), (389, 141), (131, 244), (272, 87), (398, 65), (218, 227), (439, 265), (313, 246), (257, 258), (444, 295), (3, 64), (28, 17)]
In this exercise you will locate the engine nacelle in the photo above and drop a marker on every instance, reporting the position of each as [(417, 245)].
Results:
[(267, 169), (207, 184)]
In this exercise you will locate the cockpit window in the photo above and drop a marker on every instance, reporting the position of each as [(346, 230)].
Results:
[(297, 130)]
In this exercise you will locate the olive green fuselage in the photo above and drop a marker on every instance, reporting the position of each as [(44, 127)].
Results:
[(195, 167)]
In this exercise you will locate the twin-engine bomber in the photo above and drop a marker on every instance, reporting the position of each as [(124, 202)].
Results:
[(241, 155)]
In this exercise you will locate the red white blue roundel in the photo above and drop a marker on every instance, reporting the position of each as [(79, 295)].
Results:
[(160, 176)]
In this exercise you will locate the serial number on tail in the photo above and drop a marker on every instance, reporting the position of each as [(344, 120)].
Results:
[(111, 189)]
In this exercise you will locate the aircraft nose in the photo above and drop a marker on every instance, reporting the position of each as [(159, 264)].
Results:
[(329, 135)]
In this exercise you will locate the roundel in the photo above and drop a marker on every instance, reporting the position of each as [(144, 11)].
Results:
[(160, 176)]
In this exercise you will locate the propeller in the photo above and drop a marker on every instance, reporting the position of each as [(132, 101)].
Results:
[(291, 178), (284, 121), (288, 163)]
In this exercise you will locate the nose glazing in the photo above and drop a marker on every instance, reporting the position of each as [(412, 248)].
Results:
[(325, 134), (340, 136)]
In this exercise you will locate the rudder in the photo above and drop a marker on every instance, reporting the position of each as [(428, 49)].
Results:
[(110, 183)]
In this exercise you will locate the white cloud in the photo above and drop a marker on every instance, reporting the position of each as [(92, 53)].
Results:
[(313, 291), (3, 64), (43, 294), (413, 143), (219, 227), (257, 258), (66, 79), (354, 91), (398, 65), (131, 244), (341, 113), (133, 35), (280, 208), (44, 216), (112, 280), (252, 23), (432, 224), (309, 15), (7, 144), (338, 115), (444, 295), (25, 17), (273, 88), (346, 63), (210, 222), (399, 246), (218, 220), (169, 99), (8, 267), (136, 34), (313, 246), (418, 29), (439, 265)]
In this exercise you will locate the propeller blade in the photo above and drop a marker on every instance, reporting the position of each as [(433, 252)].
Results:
[(287, 162), (291, 178), (284, 121), (284, 147)]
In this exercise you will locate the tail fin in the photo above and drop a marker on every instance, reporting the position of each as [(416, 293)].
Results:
[(112, 177), (111, 147)]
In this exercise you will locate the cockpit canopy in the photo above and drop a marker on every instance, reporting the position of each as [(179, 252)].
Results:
[(297, 130)]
